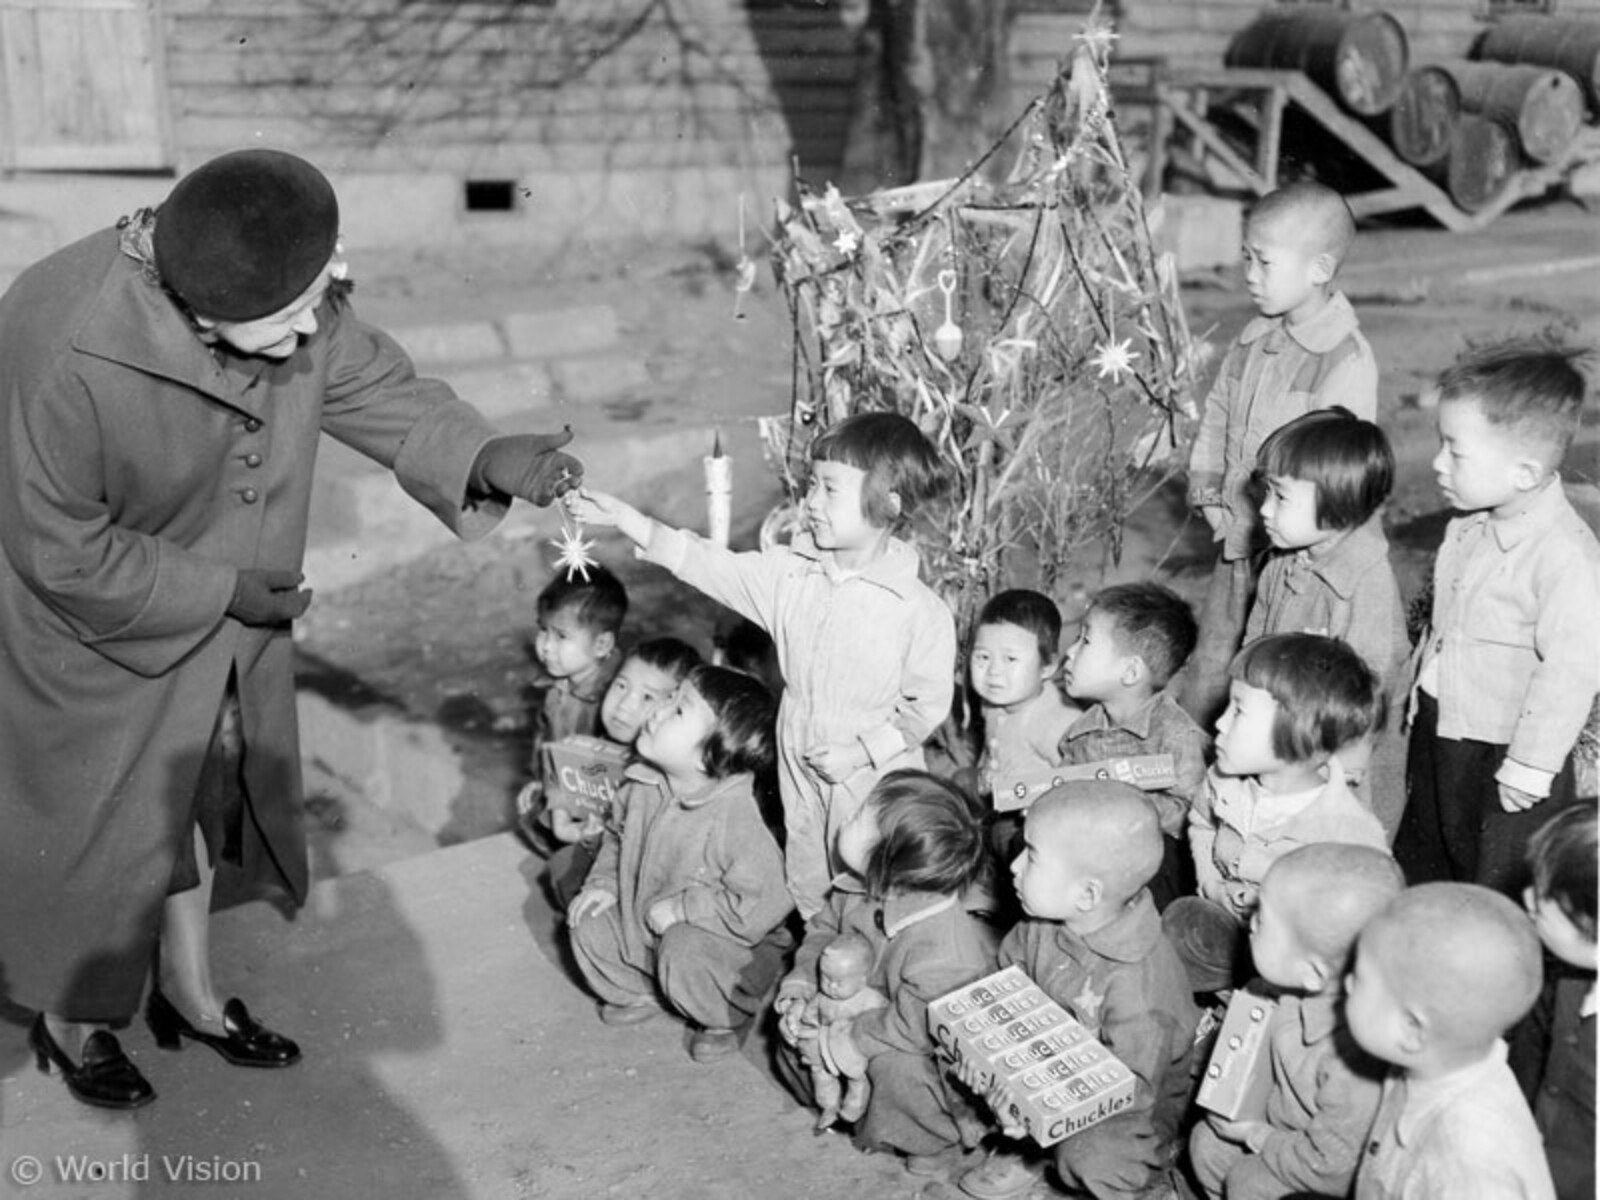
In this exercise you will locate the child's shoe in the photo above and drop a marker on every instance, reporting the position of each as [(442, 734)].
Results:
[(708, 1045), (629, 1014), (934, 1166), (1002, 1176), (530, 824)]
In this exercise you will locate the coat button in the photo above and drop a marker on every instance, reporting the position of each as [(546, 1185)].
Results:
[(252, 460), (252, 425), (249, 495)]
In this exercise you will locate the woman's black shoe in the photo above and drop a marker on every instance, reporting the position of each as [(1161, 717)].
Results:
[(245, 1042), (105, 1078)]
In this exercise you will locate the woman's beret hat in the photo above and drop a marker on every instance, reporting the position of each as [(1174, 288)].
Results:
[(242, 236)]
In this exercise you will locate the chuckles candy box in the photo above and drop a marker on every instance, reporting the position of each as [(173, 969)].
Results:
[(1057, 1079), (583, 774), (1147, 772), (1238, 1078)]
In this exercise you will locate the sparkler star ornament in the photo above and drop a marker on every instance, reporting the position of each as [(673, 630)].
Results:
[(1115, 359), (572, 548)]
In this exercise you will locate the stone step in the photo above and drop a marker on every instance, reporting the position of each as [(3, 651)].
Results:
[(448, 1053)]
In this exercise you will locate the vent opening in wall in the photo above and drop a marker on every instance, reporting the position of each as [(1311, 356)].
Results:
[(491, 195)]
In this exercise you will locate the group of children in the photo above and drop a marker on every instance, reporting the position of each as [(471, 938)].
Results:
[(1135, 869)]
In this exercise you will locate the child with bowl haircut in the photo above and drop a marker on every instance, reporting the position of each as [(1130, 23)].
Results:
[(1323, 477), (1296, 700), (1507, 671), (1304, 351), (1439, 976), (1314, 903), (866, 649), (1092, 940), (1133, 640)]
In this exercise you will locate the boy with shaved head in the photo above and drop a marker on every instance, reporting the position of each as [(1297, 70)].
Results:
[(1439, 976), (1092, 940), (1304, 351), (1313, 904)]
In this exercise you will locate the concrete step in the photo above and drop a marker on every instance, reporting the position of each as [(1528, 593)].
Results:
[(448, 1054)]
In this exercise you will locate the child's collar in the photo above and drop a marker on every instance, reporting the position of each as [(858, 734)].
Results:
[(1128, 937), (896, 570)]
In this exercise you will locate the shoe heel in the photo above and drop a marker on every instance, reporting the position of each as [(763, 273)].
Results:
[(164, 1022), (45, 1050)]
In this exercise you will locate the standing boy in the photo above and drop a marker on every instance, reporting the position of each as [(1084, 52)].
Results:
[(1508, 665), (1304, 351)]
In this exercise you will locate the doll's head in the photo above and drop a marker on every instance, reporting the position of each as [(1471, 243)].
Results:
[(869, 473), (1294, 698), (1016, 645), (915, 832), (719, 723), (842, 969), (1561, 898), (648, 678), (579, 619), (1325, 472)]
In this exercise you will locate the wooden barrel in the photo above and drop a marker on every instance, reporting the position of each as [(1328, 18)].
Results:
[(1568, 45), (1424, 115), (1481, 164), (1541, 105), (1359, 58)]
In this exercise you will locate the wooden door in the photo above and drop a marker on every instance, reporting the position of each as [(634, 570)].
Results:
[(83, 85)]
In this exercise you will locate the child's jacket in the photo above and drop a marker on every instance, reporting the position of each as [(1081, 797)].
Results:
[(1127, 985), (866, 656), (1160, 727), (1345, 589), (1467, 1135), (1237, 831), (1015, 743), (712, 849), (1324, 1096), (923, 946), (1514, 637), (1274, 373)]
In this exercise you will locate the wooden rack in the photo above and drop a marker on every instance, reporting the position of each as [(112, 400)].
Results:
[(1187, 97)]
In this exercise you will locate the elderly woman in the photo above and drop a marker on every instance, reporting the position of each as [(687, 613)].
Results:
[(163, 386)]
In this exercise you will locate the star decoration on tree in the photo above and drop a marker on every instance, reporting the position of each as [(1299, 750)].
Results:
[(1115, 359), (1097, 37), (572, 551)]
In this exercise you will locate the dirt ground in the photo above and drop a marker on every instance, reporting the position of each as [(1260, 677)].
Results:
[(446, 639)]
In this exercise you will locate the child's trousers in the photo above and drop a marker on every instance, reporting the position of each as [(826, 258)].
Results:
[(1227, 1169), (1454, 828), (1203, 683), (714, 981), (1117, 1160)]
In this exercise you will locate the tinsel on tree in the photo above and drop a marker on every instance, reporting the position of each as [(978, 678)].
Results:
[(1026, 325)]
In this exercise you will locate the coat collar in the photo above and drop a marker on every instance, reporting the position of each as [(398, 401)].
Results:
[(643, 772), (1098, 720), (1319, 1016), (1129, 938), (1320, 334), (134, 323), (1541, 514), (1342, 563), (897, 570)]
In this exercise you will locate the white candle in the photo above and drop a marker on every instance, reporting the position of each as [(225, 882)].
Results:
[(719, 493)]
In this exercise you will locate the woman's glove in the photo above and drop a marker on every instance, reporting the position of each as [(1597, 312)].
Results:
[(529, 465)]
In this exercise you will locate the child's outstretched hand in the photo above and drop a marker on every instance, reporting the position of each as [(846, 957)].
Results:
[(599, 508), (664, 914), (1239, 1132), (590, 902)]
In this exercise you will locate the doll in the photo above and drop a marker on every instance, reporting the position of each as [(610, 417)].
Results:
[(838, 1075)]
